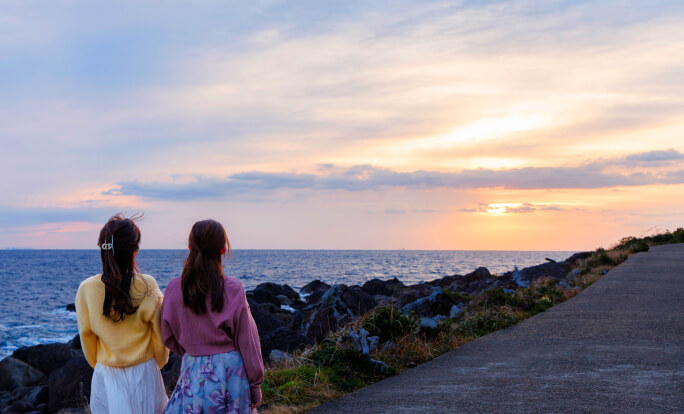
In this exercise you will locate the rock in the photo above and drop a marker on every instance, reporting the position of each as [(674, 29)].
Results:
[(362, 342), (445, 281), (380, 366), (6, 398), (524, 277), (46, 358), (481, 273), (575, 257), (277, 355), (338, 304), (69, 386), (15, 373), (265, 321), (428, 327), (314, 291), (387, 346), (423, 306), (573, 274), (71, 307), (75, 342), (383, 287), (455, 309), (19, 407), (273, 293), (440, 318), (171, 371), (37, 396), (284, 339), (474, 282), (413, 293)]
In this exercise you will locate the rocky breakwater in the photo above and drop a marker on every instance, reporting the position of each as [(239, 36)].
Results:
[(47, 378)]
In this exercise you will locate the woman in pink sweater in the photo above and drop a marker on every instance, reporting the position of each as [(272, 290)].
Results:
[(206, 319)]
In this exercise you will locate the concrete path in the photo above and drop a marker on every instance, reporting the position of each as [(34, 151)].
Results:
[(616, 347)]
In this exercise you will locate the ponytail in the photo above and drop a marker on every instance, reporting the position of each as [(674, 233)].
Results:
[(119, 242), (203, 271)]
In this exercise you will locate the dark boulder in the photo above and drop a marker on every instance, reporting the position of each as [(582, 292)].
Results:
[(284, 339), (265, 321), (15, 374), (444, 282), (71, 307), (575, 257), (523, 277), (338, 305), (171, 371), (383, 287), (473, 282), (20, 406), (481, 273), (428, 327), (69, 386), (36, 396), (314, 291), (423, 306), (46, 358), (273, 293), (413, 293), (75, 342)]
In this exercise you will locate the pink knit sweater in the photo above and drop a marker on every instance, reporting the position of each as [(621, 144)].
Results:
[(214, 332)]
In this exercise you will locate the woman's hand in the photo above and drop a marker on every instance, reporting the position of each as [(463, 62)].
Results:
[(253, 406)]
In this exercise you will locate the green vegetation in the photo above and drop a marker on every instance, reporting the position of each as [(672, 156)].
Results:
[(389, 323), (333, 368)]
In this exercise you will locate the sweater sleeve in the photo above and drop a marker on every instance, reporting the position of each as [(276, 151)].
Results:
[(161, 352), (247, 341), (167, 335), (88, 337)]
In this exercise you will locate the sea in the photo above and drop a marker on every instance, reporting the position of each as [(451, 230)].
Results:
[(36, 285)]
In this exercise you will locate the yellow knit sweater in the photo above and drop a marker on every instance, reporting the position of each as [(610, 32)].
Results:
[(135, 339)]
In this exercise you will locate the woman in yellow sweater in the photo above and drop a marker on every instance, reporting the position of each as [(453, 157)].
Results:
[(118, 315)]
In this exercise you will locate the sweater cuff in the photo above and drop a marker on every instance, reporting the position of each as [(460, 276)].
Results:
[(255, 393)]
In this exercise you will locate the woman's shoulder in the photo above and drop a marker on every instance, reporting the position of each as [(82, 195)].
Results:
[(233, 285), (92, 282)]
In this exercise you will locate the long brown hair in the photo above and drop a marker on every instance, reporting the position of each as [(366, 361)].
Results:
[(203, 272), (119, 242)]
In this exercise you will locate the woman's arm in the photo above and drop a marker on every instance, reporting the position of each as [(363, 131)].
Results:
[(247, 341), (161, 352), (88, 337), (167, 335)]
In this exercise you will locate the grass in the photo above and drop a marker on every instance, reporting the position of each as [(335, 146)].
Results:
[(333, 367)]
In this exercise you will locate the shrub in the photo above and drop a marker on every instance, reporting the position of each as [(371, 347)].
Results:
[(678, 235), (600, 258), (301, 385), (389, 323), (456, 297), (347, 368), (478, 322), (639, 246)]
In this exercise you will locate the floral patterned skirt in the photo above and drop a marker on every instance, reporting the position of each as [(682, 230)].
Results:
[(212, 384)]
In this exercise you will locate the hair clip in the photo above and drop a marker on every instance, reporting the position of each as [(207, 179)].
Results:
[(108, 246)]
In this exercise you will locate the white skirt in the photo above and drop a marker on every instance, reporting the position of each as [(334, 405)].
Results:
[(138, 389)]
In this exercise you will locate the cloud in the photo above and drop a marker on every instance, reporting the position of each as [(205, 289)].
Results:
[(508, 208), (367, 177), (20, 217), (656, 156)]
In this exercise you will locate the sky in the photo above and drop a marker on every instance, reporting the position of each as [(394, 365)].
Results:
[(474, 125)]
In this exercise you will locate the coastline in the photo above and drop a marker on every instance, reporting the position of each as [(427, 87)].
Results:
[(316, 328)]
